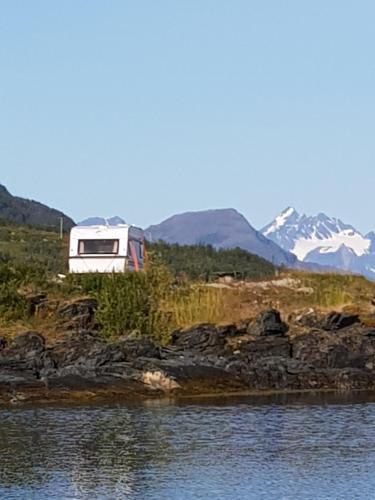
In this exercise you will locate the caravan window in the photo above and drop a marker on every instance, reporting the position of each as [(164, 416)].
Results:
[(94, 247)]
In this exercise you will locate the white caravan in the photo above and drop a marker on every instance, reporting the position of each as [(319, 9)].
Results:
[(106, 249)]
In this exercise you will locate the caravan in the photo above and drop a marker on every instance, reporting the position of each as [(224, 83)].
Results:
[(106, 249)]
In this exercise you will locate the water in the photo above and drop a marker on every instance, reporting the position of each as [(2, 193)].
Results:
[(231, 449)]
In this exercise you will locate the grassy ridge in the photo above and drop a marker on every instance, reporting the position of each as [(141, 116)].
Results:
[(172, 293)]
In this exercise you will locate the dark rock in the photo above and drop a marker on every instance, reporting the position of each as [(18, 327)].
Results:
[(3, 343), (353, 379), (47, 308), (11, 379), (205, 358), (79, 313), (29, 341), (136, 348), (268, 323), (264, 347), (86, 356), (23, 354), (337, 321), (321, 349), (308, 319), (202, 338), (229, 330), (34, 301)]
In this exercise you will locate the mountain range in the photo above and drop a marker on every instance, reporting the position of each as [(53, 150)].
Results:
[(314, 243), (323, 240), (292, 239)]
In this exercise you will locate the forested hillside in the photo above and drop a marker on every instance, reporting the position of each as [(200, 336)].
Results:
[(206, 263), (23, 211)]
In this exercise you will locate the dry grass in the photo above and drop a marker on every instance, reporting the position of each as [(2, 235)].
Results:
[(291, 292), (202, 304)]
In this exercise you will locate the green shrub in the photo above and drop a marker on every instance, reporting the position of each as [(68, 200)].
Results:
[(13, 306), (129, 302)]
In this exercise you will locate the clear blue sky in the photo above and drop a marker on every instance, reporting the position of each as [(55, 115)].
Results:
[(148, 108)]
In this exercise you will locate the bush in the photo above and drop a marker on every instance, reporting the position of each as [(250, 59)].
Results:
[(13, 306), (129, 302)]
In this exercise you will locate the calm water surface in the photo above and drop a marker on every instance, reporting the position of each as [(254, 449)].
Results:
[(233, 449)]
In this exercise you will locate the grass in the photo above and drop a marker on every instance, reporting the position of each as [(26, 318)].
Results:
[(199, 304), (331, 290)]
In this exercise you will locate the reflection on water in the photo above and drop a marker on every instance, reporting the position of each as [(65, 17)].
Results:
[(238, 448)]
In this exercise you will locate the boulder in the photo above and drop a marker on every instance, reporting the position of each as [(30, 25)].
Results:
[(23, 353), (268, 323), (34, 301), (337, 321), (28, 343), (321, 349), (203, 338), (263, 347), (79, 313)]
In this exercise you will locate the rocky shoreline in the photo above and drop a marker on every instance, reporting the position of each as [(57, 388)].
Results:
[(310, 353)]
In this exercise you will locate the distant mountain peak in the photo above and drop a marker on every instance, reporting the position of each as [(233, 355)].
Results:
[(324, 240), (102, 221), (281, 220)]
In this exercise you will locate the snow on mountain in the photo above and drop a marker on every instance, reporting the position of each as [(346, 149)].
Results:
[(281, 220), (324, 240)]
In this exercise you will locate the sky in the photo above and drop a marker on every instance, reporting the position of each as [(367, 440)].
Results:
[(148, 108)]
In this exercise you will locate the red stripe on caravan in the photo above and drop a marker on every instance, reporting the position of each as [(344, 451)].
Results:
[(134, 256)]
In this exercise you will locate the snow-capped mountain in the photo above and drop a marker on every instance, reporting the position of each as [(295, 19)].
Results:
[(323, 240)]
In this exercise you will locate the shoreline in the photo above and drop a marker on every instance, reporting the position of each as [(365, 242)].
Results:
[(266, 357), (74, 398)]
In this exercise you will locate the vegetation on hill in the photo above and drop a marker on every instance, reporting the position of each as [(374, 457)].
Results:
[(31, 246), (172, 293), (23, 211), (205, 263)]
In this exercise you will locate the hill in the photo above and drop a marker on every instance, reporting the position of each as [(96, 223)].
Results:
[(30, 212), (223, 229)]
